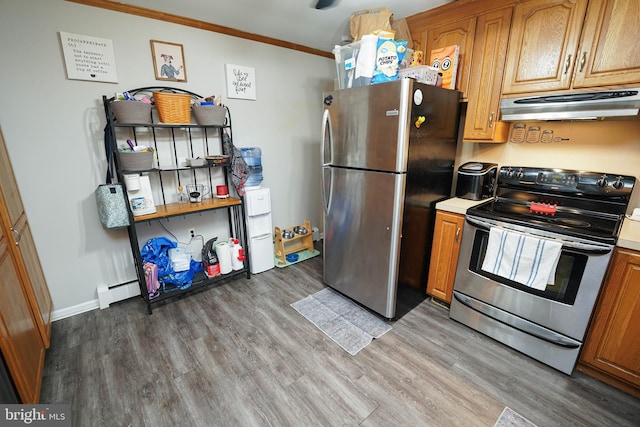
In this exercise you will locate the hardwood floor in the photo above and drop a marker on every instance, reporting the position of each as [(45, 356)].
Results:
[(239, 355)]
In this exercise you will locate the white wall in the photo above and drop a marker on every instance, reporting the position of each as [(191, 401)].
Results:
[(53, 129), (604, 146)]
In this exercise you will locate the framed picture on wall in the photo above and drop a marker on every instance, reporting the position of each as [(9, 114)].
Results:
[(168, 61)]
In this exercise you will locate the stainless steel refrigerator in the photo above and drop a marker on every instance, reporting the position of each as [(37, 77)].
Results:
[(388, 153)]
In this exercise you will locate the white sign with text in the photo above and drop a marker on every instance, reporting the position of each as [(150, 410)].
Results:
[(89, 58), (241, 82)]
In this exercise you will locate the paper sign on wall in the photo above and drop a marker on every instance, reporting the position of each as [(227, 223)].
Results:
[(241, 82), (88, 58)]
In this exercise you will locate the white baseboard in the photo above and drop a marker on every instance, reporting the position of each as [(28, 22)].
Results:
[(109, 294), (106, 295), (74, 310)]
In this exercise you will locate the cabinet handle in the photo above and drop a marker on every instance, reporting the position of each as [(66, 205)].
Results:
[(583, 60), (567, 63), (491, 120), (458, 235), (16, 236)]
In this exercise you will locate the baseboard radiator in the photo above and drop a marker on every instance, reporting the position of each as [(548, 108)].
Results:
[(109, 294)]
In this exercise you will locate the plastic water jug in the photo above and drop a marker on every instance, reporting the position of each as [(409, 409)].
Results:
[(253, 157), (237, 254)]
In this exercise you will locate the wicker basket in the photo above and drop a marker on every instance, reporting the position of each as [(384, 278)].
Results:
[(173, 107), (131, 112), (209, 115)]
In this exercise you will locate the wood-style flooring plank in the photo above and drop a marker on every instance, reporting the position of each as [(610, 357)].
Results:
[(240, 355)]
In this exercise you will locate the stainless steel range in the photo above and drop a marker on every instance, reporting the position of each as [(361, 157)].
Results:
[(558, 226)]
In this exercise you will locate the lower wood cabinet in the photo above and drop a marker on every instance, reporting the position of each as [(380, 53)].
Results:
[(25, 301), (612, 348), (20, 340), (447, 236)]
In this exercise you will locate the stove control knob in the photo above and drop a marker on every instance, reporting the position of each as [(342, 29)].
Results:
[(619, 183), (520, 174), (602, 182), (509, 173)]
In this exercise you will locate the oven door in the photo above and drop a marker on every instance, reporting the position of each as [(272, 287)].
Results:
[(564, 307)]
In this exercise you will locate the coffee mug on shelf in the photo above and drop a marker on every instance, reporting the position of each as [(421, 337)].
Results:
[(196, 192), (222, 191)]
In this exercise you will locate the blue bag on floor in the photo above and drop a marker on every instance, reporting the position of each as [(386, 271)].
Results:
[(156, 251)]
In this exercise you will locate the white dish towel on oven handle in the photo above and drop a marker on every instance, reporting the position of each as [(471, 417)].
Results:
[(522, 258)]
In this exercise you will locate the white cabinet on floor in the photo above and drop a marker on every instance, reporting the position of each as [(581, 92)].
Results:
[(259, 229)]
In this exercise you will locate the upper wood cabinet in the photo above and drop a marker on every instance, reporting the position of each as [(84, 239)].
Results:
[(609, 49), (612, 347), (482, 34), (485, 81), (571, 44), (459, 32)]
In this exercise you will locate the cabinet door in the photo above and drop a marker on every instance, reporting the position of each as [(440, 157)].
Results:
[(23, 246), (20, 339), (38, 291), (485, 81), (447, 236), (609, 51), (543, 45), (613, 342), (459, 32)]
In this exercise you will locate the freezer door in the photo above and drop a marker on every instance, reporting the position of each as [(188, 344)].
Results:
[(366, 127), (363, 219)]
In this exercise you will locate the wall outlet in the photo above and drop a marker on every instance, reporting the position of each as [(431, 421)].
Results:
[(192, 232)]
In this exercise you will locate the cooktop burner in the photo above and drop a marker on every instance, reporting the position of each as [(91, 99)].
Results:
[(568, 202), (569, 222)]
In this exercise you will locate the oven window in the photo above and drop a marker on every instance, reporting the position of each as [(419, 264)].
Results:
[(568, 273)]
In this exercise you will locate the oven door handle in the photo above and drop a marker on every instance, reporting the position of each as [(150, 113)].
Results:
[(587, 248)]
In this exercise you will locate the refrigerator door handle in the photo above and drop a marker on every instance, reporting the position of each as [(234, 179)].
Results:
[(327, 180), (326, 145)]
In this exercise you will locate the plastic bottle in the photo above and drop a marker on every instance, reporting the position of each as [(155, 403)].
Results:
[(253, 157), (237, 254)]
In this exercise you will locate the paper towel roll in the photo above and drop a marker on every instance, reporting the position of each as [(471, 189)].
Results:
[(224, 257), (366, 61)]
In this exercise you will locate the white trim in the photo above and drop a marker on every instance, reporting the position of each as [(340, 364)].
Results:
[(109, 294), (74, 310), (106, 295)]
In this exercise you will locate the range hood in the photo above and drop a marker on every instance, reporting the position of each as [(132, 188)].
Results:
[(611, 104)]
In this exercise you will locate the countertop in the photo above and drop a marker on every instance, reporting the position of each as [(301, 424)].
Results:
[(629, 237), (457, 205)]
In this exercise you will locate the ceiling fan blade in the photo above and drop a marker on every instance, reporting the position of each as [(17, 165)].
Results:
[(323, 4)]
